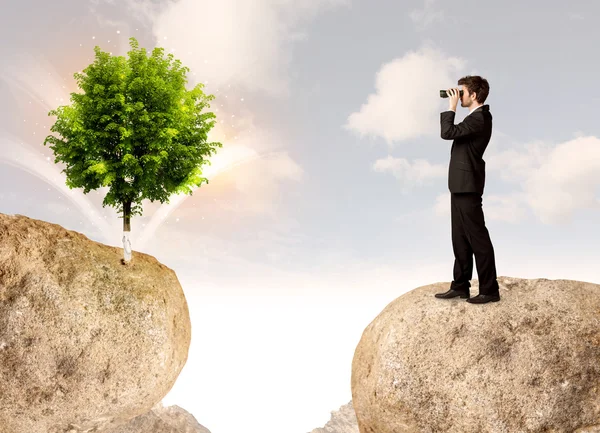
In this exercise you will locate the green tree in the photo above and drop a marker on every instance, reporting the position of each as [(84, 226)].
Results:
[(136, 129)]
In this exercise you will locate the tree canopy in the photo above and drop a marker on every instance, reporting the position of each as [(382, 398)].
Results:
[(135, 128)]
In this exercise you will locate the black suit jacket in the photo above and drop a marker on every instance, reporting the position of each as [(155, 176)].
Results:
[(466, 172)]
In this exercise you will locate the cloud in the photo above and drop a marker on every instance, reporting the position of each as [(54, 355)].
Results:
[(510, 208), (254, 188), (442, 205), (566, 180), (423, 18), (145, 11), (406, 103), (555, 181), (420, 172), (247, 44), (514, 165)]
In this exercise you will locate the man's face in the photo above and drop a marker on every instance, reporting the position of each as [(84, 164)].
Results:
[(466, 97)]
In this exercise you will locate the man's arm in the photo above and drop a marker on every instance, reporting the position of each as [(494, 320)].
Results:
[(472, 124)]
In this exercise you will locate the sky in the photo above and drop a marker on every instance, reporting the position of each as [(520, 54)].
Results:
[(329, 198)]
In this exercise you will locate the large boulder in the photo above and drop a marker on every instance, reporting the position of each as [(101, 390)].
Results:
[(85, 342), (171, 419), (529, 363)]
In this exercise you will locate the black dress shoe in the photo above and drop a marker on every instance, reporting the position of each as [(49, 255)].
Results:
[(452, 294), (482, 299)]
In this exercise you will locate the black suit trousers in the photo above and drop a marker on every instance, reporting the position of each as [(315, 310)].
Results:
[(470, 236)]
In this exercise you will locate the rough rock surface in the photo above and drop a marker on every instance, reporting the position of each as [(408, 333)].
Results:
[(160, 419), (85, 342), (529, 363), (342, 421)]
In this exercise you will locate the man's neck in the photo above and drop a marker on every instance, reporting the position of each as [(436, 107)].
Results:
[(473, 108)]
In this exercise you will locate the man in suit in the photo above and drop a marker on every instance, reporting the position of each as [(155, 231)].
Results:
[(466, 180)]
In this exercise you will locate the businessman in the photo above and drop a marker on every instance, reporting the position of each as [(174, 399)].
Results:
[(466, 180)]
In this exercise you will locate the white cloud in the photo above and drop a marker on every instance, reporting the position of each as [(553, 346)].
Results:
[(143, 10), (566, 181), (260, 183), (234, 42), (420, 172), (442, 205), (423, 18), (557, 180), (406, 103), (509, 208), (514, 164)]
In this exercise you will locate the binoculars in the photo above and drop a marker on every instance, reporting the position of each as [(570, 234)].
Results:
[(444, 94)]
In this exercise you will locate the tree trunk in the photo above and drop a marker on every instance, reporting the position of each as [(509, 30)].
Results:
[(126, 231)]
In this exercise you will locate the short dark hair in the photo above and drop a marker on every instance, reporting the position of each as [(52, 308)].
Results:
[(477, 85)]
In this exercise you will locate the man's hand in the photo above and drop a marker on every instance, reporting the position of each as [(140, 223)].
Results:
[(453, 98)]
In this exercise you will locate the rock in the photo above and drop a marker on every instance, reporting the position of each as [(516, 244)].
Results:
[(85, 342), (342, 421), (160, 419), (529, 363)]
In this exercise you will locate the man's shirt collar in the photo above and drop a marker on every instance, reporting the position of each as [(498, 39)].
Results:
[(474, 109)]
